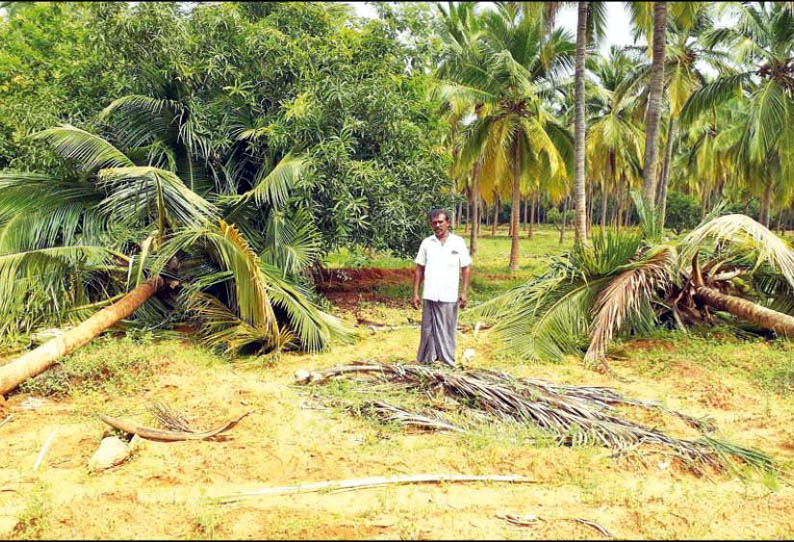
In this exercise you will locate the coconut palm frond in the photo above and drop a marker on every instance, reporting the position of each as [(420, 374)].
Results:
[(149, 190), (778, 294), (46, 281), (292, 243), (229, 249), (553, 325), (272, 187), (251, 285), (606, 253), (221, 326), (314, 328), (89, 150), (625, 295), (713, 94), (257, 288), (141, 120), (649, 217), (743, 231)]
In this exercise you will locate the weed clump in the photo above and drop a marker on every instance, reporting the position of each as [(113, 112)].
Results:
[(110, 366), (36, 516)]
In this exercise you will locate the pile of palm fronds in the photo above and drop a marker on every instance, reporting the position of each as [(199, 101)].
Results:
[(572, 415)]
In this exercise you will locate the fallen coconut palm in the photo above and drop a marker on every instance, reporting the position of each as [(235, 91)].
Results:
[(574, 416), (236, 258), (632, 284)]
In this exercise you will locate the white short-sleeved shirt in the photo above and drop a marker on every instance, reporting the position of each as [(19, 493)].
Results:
[(442, 266)]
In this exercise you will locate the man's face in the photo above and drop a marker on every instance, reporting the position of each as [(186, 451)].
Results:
[(440, 225)]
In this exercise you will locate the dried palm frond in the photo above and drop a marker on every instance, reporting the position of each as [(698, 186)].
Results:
[(575, 416), (170, 418), (391, 413), (745, 232), (625, 295)]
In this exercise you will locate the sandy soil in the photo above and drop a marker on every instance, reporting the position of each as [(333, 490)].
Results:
[(163, 491)]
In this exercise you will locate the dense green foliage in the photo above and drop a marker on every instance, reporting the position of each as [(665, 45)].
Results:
[(683, 212), (271, 79)]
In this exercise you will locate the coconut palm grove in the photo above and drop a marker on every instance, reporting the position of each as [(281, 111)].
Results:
[(210, 215)]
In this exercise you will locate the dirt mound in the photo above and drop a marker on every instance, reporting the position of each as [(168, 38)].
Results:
[(365, 278), (347, 288)]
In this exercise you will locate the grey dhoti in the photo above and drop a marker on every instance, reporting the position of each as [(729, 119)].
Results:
[(439, 325)]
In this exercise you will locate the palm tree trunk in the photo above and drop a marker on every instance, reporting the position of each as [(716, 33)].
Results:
[(604, 202), (654, 111), (475, 214), (526, 214), (780, 323), (467, 207), (562, 225), (766, 203), (589, 210), (40, 359), (495, 222), (704, 203), (532, 216), (515, 209), (580, 194), (668, 155)]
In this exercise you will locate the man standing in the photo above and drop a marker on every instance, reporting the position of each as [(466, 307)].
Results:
[(441, 259)]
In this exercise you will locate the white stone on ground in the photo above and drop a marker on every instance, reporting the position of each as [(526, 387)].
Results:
[(112, 451)]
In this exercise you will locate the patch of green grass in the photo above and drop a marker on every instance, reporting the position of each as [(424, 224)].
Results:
[(206, 524), (36, 514), (777, 378), (395, 291), (113, 366), (770, 364), (353, 258)]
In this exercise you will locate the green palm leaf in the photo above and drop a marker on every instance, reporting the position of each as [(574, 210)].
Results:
[(91, 151), (745, 233), (143, 190), (628, 295)]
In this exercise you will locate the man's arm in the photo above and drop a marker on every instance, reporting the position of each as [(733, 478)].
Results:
[(419, 275), (464, 294)]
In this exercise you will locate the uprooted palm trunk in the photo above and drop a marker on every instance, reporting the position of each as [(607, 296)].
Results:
[(42, 358), (780, 323), (708, 288), (574, 415)]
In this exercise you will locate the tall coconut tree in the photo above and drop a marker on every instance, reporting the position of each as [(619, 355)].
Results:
[(514, 135), (685, 59), (459, 29), (654, 110), (615, 139), (707, 165), (763, 38), (589, 27)]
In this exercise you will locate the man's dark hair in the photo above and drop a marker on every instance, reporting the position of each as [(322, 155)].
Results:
[(435, 212)]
